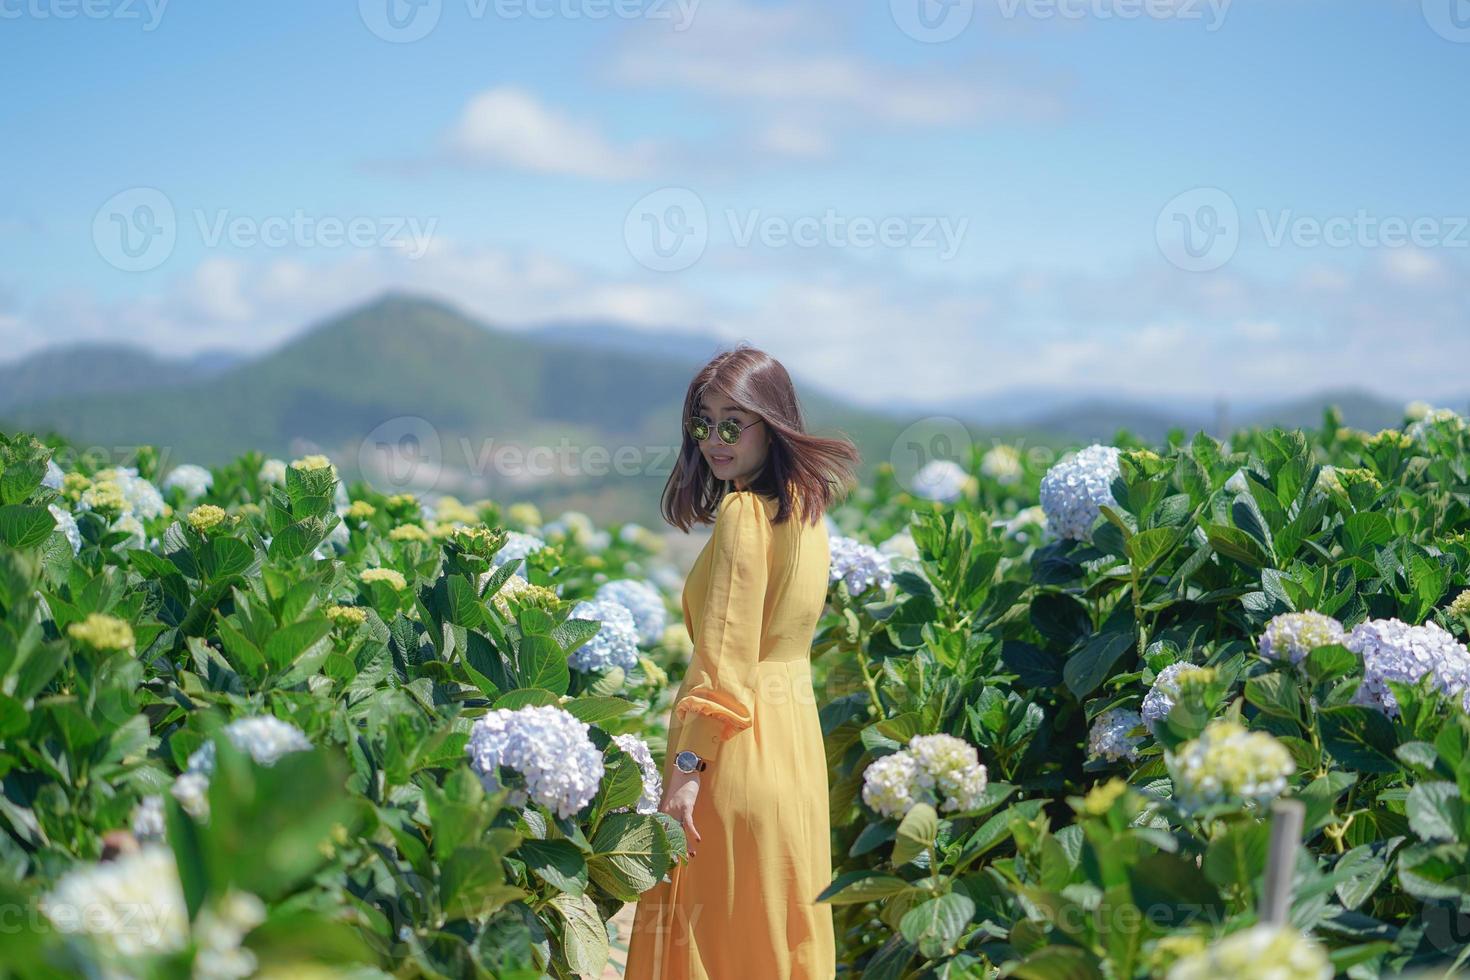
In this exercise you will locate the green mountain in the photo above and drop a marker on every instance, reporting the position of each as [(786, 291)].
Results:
[(604, 420)]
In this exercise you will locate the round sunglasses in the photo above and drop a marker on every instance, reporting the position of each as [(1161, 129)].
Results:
[(728, 429)]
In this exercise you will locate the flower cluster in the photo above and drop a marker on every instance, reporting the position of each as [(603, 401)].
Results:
[(1433, 419), (900, 545), (1111, 735), (394, 578), (141, 497), (943, 480), (1460, 605), (616, 642), (643, 601), (941, 770), (1002, 464), (272, 471), (102, 633), (653, 783), (207, 517), (547, 747), (131, 906), (1291, 636), (316, 461), (347, 617), (265, 737), (1164, 691), (409, 532), (520, 590), (860, 565), (1261, 952), (517, 545), (1229, 764), (1075, 489), (1393, 650), (194, 481)]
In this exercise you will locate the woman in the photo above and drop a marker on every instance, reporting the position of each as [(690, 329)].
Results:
[(753, 801)]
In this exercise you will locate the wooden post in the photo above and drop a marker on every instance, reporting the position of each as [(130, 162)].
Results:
[(1286, 837)]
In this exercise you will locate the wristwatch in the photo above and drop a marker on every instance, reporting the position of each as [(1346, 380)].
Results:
[(689, 762)]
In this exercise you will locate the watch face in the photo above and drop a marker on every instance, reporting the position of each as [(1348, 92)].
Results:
[(686, 761)]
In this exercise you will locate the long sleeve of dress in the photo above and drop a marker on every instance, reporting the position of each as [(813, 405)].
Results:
[(720, 703)]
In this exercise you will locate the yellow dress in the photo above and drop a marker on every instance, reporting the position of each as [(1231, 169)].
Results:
[(742, 906)]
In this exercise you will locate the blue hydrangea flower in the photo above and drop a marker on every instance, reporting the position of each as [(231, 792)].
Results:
[(1074, 491), (53, 476), (264, 737), (547, 747), (1393, 650), (1111, 738), (518, 544), (616, 642), (643, 601), (860, 565)]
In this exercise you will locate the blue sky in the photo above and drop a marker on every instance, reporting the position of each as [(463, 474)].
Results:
[(999, 198)]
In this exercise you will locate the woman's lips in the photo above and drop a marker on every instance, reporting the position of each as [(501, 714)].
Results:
[(721, 459)]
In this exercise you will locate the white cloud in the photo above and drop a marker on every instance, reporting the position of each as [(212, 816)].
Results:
[(509, 127)]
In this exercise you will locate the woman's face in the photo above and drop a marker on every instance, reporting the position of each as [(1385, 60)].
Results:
[(742, 461)]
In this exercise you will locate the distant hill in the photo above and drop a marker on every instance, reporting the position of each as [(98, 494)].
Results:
[(79, 369), (605, 422), (613, 336)]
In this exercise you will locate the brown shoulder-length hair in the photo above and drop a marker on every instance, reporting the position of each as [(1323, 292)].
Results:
[(800, 469)]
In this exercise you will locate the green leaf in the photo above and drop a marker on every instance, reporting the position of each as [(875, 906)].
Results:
[(857, 887), (23, 526), (916, 833), (290, 642), (585, 937), (1089, 667), (540, 662), (1275, 694), (629, 854), (936, 925), (1436, 811), (1359, 738), (557, 862)]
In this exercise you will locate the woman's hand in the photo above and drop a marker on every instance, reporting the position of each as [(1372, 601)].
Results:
[(678, 802)]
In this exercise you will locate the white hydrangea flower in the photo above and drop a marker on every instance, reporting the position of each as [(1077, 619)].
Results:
[(265, 737), (273, 471), (1416, 410), (191, 789), (653, 782), (940, 770), (147, 821), (1075, 489), (1002, 464), (900, 545), (888, 784), (860, 565), (54, 475), (137, 534), (616, 642), (940, 479), (1238, 482), (1393, 650), (1159, 700), (194, 480), (518, 544), (67, 525), (1110, 736), (1291, 636), (1434, 419), (1260, 952), (951, 768), (130, 906), (641, 599), (1229, 764), (144, 500), (218, 933), (575, 526), (547, 746)]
